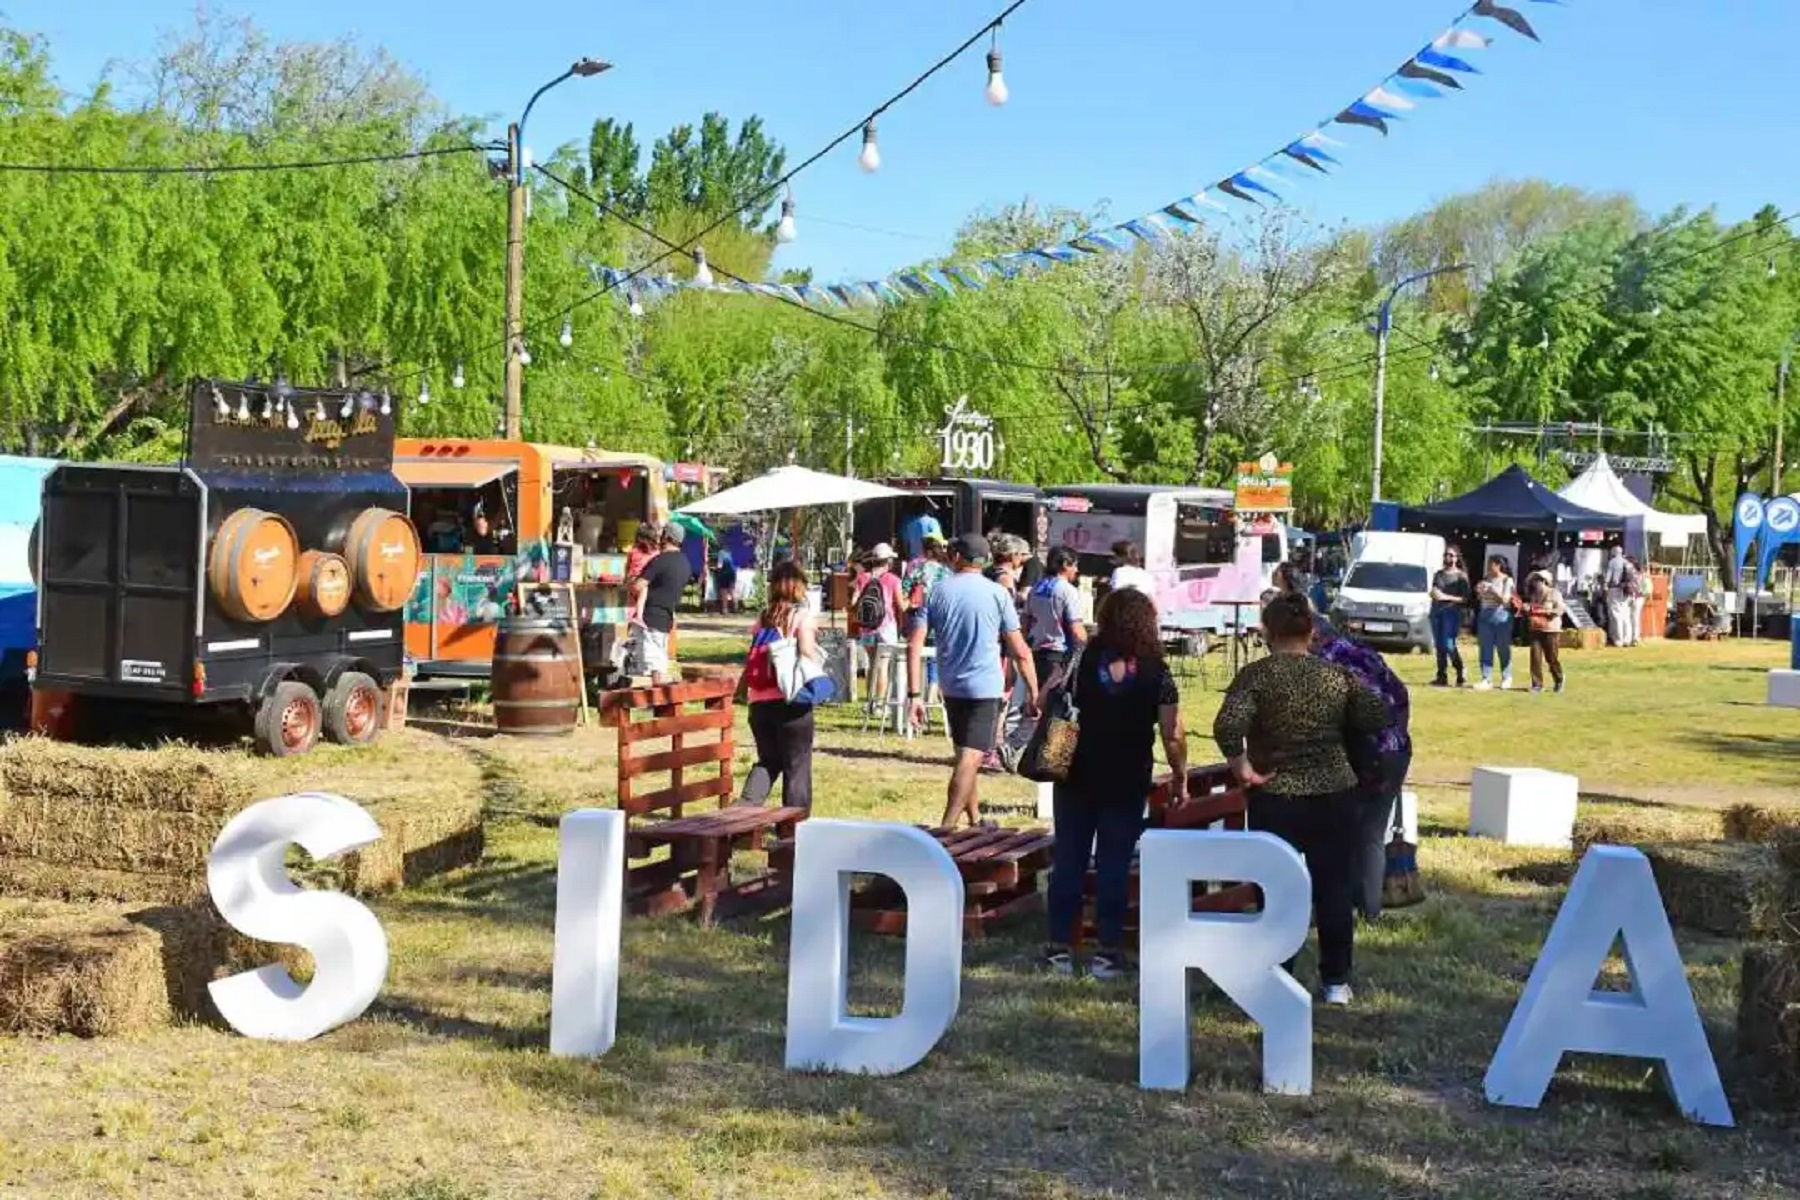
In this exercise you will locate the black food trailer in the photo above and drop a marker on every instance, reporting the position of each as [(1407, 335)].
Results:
[(960, 506), (265, 577)]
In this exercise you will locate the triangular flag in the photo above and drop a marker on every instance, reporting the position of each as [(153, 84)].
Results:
[(1361, 114), (1432, 58), (1230, 189), (1382, 98), (1243, 180), (1414, 87), (1145, 229), (1262, 172), (1180, 213), (1412, 70), (1207, 201), (1300, 153), (1460, 39), (965, 276), (1512, 18), (1318, 138), (940, 280)]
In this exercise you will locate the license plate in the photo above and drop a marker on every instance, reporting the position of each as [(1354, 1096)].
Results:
[(1378, 627)]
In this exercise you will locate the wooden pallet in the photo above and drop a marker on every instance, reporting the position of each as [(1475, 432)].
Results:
[(1000, 870), (677, 860)]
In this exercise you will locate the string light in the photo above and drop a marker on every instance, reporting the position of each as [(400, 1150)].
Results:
[(523, 355), (424, 393), (387, 405), (784, 229), (1772, 271), (637, 307), (568, 333), (319, 409), (870, 158), (348, 406), (703, 276), (243, 407), (219, 401), (457, 380), (1656, 311), (1432, 372), (1544, 343), (293, 419), (997, 91), (268, 408)]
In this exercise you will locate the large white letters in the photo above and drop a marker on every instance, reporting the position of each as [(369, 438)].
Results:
[(1240, 952), (248, 879), (590, 889), (1614, 894), (821, 1035)]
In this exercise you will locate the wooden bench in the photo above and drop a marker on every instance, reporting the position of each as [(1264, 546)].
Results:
[(1000, 870), (676, 860)]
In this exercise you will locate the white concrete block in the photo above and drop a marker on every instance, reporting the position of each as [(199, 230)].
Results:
[(1784, 689), (1523, 806), (1046, 802), (1408, 804)]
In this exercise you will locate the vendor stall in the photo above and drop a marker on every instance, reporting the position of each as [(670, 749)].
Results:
[(1647, 531), (494, 513)]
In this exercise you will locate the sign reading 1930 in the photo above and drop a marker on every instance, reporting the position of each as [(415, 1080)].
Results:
[(968, 438)]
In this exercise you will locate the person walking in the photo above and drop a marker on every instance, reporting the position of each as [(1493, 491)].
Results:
[(1496, 596), (655, 595), (1126, 696), (971, 619), (1286, 727), (724, 578), (1449, 598), (878, 622), (1544, 610), (1618, 609), (1380, 778), (920, 582), (1053, 624), (783, 732)]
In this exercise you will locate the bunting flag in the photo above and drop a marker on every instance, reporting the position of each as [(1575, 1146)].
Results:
[(1430, 74)]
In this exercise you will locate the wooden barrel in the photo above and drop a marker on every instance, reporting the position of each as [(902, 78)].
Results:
[(324, 589), (254, 565), (382, 550), (537, 682)]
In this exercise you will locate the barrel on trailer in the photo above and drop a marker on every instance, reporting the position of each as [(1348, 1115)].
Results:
[(537, 676), (253, 567), (382, 549), (324, 589)]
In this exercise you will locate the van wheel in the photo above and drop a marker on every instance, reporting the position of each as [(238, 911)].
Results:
[(289, 720), (353, 710)]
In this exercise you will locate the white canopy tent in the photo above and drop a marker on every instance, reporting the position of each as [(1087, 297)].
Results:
[(789, 487), (1599, 487)]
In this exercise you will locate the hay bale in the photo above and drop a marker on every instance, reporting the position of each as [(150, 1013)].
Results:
[(1756, 823), (81, 969), (421, 836), (1637, 825), (114, 837), (55, 881), (1768, 1031), (170, 779), (1717, 887)]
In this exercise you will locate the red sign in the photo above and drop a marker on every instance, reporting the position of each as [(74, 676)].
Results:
[(688, 472)]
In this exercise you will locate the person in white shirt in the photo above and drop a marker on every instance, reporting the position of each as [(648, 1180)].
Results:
[(1128, 570), (1618, 605)]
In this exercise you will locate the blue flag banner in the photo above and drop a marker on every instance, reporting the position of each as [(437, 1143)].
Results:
[(1746, 523), (1430, 74), (1780, 526)]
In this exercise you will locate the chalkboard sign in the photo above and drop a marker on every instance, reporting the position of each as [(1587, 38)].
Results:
[(556, 600), (266, 427)]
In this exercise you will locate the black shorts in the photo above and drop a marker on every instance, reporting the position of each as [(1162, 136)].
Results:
[(973, 723)]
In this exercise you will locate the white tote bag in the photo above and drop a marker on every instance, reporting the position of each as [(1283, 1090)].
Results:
[(795, 672)]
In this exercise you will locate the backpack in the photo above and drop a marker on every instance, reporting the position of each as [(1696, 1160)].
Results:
[(871, 605), (1629, 583)]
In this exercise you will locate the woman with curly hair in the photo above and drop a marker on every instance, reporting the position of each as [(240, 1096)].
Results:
[(1125, 695)]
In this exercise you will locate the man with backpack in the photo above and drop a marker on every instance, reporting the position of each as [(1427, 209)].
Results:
[(877, 612), (1623, 584)]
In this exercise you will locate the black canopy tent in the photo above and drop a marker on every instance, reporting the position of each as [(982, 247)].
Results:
[(1512, 502)]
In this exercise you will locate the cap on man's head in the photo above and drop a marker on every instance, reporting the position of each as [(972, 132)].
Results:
[(881, 553), (971, 547), (932, 537), (672, 534)]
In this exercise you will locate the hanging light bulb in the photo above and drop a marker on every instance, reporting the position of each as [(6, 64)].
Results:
[(568, 334), (243, 413), (457, 380), (996, 86), (1432, 372), (387, 404), (870, 158), (348, 406), (224, 409), (703, 276), (319, 409), (637, 309), (424, 393), (1656, 310), (1544, 343), (1772, 271), (293, 419), (784, 229), (268, 408), (524, 355)]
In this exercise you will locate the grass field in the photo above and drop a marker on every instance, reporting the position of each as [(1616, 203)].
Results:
[(444, 1091)]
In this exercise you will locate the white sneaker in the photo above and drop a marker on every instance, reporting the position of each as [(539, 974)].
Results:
[(1506, 684), (1484, 686), (1339, 995)]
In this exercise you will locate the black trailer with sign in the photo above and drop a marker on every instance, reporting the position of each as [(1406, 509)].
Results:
[(959, 505), (267, 575)]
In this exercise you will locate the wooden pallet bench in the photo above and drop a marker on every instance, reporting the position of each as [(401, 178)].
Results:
[(676, 861)]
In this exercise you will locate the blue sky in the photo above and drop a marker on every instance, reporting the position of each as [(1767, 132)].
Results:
[(1676, 102)]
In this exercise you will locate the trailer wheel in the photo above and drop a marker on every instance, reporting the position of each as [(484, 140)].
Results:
[(353, 710), (289, 720)]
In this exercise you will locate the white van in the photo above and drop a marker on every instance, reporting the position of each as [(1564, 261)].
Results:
[(1385, 599)]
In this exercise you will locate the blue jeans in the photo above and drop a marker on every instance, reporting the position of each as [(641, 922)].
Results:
[(1493, 628), (1105, 826), (1446, 623)]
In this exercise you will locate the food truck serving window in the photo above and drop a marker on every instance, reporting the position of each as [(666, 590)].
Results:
[(1203, 535), (462, 506)]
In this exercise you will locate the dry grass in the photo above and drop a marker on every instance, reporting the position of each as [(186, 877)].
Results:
[(94, 970), (1715, 887), (172, 779), (1602, 824), (1769, 1018), (444, 1091), (1756, 823)]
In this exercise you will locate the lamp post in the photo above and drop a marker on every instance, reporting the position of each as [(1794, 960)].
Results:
[(1384, 322), (515, 247)]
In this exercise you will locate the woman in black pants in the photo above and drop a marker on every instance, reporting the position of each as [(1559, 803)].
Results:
[(1284, 726), (783, 732)]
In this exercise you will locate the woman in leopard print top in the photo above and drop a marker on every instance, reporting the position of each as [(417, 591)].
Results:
[(1283, 727)]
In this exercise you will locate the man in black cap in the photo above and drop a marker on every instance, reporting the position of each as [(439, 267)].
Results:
[(969, 618)]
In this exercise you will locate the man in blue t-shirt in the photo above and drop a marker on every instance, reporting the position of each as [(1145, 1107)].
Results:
[(969, 618), (915, 530)]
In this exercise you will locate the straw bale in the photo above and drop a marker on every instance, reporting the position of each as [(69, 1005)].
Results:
[(1768, 1030), (56, 881), (1755, 823), (81, 969), (1718, 887), (174, 778), (80, 833), (1636, 825), (421, 836)]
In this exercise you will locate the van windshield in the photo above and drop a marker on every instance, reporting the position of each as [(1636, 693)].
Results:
[(1387, 577)]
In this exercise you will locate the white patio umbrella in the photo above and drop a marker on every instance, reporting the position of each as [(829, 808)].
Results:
[(788, 487)]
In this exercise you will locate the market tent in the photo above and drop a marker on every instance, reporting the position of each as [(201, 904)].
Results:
[(789, 487), (1600, 488), (1511, 501)]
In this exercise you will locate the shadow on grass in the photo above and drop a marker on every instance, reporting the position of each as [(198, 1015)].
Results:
[(1785, 750)]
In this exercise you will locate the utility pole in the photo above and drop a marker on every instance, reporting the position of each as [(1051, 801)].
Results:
[(1384, 323), (514, 387)]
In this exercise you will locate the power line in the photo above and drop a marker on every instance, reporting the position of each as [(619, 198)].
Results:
[(232, 168)]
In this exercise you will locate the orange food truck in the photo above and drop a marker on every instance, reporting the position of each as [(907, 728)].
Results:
[(491, 513)]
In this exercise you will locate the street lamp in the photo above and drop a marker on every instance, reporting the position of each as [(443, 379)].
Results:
[(1384, 322), (584, 68)]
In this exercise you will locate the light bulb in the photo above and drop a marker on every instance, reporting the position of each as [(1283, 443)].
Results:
[(456, 380), (1431, 372), (1656, 311), (293, 422), (784, 229), (268, 408), (996, 87), (703, 275), (870, 158), (219, 401), (387, 405), (568, 334), (524, 355), (349, 405), (1544, 344), (424, 393), (1772, 271), (637, 310), (243, 407), (319, 409)]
